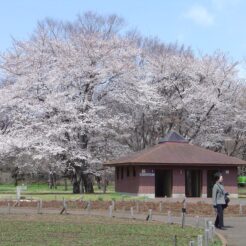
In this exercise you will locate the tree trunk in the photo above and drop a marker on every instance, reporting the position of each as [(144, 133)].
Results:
[(76, 189), (51, 180), (54, 180), (98, 179), (104, 182), (104, 187), (81, 182), (75, 182), (65, 183), (90, 188), (88, 182), (15, 175), (16, 181)]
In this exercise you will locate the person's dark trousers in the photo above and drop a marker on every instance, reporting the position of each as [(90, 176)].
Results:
[(219, 222)]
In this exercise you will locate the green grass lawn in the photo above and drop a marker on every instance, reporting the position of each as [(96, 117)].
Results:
[(42, 191), (84, 230), (35, 187)]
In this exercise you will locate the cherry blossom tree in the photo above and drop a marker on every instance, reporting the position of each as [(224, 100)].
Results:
[(79, 93), (62, 91)]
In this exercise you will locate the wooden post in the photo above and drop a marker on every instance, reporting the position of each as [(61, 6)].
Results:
[(88, 208), (8, 208), (197, 221), (169, 217), (110, 211), (149, 216), (113, 205), (199, 240), (213, 232), (132, 213), (137, 206), (240, 209), (206, 223), (210, 235), (160, 206), (64, 204), (183, 212), (206, 237), (39, 206), (175, 241)]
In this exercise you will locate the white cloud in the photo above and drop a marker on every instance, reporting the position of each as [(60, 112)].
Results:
[(200, 15)]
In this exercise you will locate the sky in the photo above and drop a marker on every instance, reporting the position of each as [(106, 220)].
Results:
[(206, 25)]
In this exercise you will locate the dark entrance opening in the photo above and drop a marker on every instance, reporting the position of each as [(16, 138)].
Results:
[(210, 181), (193, 183), (163, 183)]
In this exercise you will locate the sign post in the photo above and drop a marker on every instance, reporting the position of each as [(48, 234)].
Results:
[(19, 189)]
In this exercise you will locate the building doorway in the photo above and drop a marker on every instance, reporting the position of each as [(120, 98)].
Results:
[(210, 181), (163, 183), (193, 183)]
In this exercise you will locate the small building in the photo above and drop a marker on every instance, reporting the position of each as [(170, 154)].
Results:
[(174, 168)]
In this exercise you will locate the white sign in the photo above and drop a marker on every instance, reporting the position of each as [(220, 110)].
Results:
[(147, 174), (19, 189)]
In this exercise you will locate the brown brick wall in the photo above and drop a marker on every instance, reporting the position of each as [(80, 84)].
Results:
[(129, 184), (230, 180), (146, 184)]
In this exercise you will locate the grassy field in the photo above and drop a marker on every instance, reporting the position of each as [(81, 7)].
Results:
[(84, 230), (42, 191)]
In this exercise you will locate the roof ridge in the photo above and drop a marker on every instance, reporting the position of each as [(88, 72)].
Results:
[(173, 136)]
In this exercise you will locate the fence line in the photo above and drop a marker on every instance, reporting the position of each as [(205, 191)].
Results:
[(209, 230)]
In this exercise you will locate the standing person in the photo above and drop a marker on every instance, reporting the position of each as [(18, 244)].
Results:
[(219, 200)]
